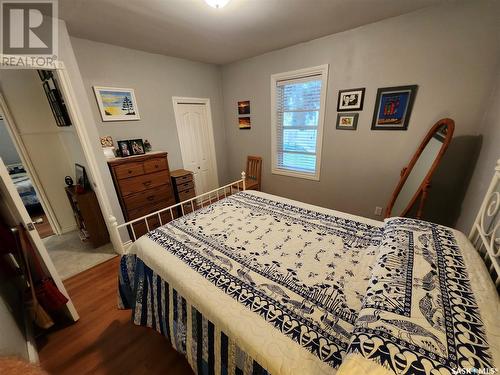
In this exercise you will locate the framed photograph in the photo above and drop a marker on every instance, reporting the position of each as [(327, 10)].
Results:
[(137, 147), (244, 107), (124, 148), (351, 100), (244, 123), (393, 107), (116, 104), (107, 141), (347, 121)]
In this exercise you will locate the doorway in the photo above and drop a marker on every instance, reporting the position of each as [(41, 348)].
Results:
[(195, 129), (49, 149)]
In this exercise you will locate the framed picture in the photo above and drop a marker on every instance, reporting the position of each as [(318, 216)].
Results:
[(393, 107), (244, 107), (124, 148), (351, 100), (137, 147), (116, 104), (244, 123), (347, 121), (107, 141)]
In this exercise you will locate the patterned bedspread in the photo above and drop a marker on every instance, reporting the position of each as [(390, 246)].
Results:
[(299, 287)]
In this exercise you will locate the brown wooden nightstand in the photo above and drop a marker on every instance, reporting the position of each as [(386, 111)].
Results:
[(183, 184)]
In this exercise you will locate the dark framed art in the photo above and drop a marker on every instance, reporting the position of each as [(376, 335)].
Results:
[(124, 148), (137, 147), (393, 107), (244, 123), (351, 100), (244, 107), (347, 121)]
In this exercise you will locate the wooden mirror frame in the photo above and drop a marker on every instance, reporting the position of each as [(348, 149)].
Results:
[(425, 185)]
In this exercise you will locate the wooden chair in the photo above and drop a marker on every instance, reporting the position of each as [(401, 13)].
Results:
[(253, 172)]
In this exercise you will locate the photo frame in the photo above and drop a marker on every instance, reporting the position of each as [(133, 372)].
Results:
[(351, 100), (393, 107), (244, 107), (244, 123), (116, 104), (347, 121), (124, 149), (137, 147)]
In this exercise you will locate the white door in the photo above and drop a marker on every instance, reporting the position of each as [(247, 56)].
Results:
[(194, 127), (12, 206)]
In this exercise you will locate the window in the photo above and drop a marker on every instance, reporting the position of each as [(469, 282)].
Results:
[(298, 109)]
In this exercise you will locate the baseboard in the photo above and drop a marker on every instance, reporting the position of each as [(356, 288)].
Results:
[(69, 228)]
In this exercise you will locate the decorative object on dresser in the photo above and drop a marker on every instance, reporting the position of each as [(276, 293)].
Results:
[(88, 216), (108, 147), (137, 147), (143, 185), (183, 183), (253, 173)]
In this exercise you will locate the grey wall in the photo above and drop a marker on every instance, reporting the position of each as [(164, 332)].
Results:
[(450, 51), (8, 151), (490, 153), (155, 79)]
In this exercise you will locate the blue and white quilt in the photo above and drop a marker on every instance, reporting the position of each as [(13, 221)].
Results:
[(298, 289)]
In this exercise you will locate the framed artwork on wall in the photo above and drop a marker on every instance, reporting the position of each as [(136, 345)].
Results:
[(244, 123), (351, 100), (244, 107), (347, 121), (116, 104), (393, 107)]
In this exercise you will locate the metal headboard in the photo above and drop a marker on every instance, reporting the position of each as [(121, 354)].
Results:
[(485, 232)]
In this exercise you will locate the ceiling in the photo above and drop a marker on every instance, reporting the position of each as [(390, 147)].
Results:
[(243, 28)]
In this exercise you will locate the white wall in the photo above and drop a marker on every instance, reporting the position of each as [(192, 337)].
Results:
[(155, 79), (53, 150), (489, 128), (450, 51), (8, 151)]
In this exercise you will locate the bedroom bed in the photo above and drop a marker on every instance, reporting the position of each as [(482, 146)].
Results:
[(256, 284), (24, 187)]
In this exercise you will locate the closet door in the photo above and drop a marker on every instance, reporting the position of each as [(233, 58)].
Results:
[(12, 206)]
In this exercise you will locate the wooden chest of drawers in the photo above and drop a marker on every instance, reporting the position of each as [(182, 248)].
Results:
[(143, 186), (183, 184)]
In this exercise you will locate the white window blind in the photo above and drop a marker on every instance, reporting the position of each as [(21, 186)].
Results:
[(298, 122)]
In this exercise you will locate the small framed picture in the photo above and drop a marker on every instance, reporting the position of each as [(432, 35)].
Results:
[(124, 149), (244, 107), (137, 147), (244, 122), (393, 107), (347, 121), (351, 100)]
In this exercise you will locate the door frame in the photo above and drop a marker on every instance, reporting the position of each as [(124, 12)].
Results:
[(178, 100), (18, 142)]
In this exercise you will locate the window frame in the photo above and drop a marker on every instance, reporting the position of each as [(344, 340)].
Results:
[(322, 71)]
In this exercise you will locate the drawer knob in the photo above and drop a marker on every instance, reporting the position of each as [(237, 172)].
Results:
[(150, 198), (146, 183), (129, 171)]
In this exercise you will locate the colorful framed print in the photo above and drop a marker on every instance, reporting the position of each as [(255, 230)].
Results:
[(393, 107), (244, 107), (137, 147), (351, 100), (244, 122), (116, 104), (347, 121)]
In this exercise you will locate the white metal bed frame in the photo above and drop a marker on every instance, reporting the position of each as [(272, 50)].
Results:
[(485, 233), (194, 203)]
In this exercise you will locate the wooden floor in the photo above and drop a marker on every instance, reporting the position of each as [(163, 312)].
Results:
[(44, 229), (104, 341)]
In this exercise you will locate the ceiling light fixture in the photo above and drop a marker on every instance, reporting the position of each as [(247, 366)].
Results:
[(217, 3)]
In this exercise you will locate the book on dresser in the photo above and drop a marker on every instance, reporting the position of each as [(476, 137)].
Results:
[(143, 186)]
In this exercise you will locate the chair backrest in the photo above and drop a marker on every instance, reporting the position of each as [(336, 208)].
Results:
[(254, 167)]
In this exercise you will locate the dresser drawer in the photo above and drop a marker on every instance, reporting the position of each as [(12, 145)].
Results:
[(185, 186), (155, 165), (129, 170), (148, 197), (140, 183), (139, 212), (186, 194), (183, 179)]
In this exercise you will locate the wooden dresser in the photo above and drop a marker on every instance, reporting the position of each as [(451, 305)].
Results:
[(143, 186)]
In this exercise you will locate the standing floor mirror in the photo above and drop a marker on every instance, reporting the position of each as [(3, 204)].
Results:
[(415, 180)]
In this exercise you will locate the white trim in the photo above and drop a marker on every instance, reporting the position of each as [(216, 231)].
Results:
[(275, 78), (104, 117), (16, 138), (176, 100)]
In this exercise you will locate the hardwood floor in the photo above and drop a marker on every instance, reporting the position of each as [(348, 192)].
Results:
[(104, 341), (44, 229)]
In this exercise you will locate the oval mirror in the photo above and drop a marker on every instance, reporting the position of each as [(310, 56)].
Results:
[(416, 177)]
